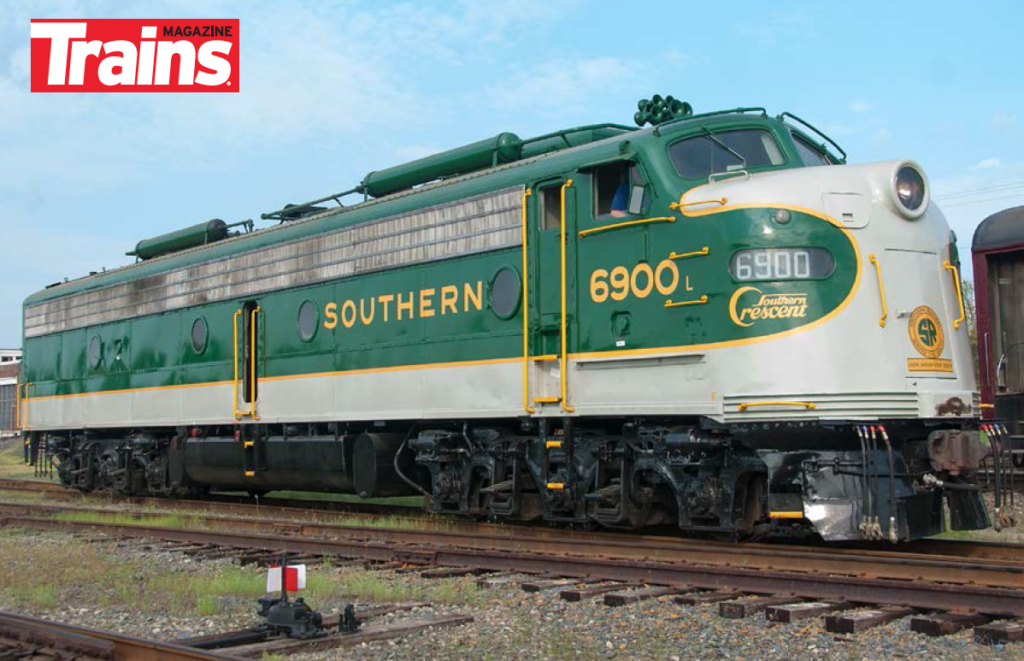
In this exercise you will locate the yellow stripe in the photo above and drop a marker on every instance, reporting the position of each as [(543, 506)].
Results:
[(556, 486), (553, 444), (786, 515)]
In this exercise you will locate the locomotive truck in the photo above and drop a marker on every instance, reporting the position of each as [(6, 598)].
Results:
[(709, 321)]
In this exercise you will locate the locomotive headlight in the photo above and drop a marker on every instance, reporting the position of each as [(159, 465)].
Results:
[(909, 189)]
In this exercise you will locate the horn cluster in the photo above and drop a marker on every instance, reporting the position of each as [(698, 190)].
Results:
[(658, 110)]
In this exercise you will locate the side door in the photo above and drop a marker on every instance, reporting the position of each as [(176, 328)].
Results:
[(247, 329), (551, 230)]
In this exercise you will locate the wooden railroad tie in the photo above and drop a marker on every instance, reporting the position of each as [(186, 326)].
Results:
[(999, 633), (623, 597), (943, 624), (706, 597), (737, 610), (803, 611), (579, 594), (863, 620)]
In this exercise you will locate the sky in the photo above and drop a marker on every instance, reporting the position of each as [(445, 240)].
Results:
[(333, 90)]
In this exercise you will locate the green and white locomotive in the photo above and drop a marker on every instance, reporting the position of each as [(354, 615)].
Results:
[(711, 322)]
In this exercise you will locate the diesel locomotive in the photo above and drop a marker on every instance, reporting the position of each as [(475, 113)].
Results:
[(709, 321)]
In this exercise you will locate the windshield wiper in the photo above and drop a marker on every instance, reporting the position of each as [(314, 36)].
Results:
[(726, 147)]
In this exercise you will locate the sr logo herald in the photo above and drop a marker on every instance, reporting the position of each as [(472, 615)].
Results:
[(135, 55)]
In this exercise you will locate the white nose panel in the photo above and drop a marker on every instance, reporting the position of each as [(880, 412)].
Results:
[(851, 209)]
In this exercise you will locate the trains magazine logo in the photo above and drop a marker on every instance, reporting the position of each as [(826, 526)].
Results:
[(135, 55)]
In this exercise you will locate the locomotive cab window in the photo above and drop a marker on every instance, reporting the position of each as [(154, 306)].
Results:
[(809, 153), (618, 190), (727, 151), (550, 212)]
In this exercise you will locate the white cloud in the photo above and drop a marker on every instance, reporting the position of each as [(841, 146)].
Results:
[(304, 71), (881, 135), (1003, 120), (860, 106), (559, 84), (987, 164)]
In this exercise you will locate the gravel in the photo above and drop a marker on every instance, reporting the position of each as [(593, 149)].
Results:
[(510, 624)]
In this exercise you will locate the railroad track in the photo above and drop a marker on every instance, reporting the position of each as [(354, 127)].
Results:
[(23, 637), (993, 586), (223, 501), (290, 510)]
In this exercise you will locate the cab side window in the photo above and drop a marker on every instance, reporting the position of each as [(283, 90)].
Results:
[(810, 154), (618, 190), (550, 199)]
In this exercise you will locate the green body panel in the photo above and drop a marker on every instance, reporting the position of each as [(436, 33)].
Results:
[(156, 350), (183, 239)]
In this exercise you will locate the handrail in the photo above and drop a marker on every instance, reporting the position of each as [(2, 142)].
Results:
[(526, 314), (749, 405), (563, 364), (683, 255), (234, 390), (881, 289), (699, 301), (680, 205), (252, 355), (959, 293), (628, 223), (783, 116), (17, 406)]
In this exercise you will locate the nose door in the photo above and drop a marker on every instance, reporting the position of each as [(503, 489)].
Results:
[(922, 312)]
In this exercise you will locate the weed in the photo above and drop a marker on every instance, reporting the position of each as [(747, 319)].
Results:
[(207, 605), (131, 519)]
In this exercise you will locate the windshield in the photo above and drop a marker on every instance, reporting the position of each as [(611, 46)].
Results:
[(810, 154), (727, 151)]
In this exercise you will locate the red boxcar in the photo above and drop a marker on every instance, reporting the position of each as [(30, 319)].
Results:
[(998, 257)]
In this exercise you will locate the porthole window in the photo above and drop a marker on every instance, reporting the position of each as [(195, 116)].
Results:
[(95, 351), (307, 321), (200, 334), (506, 290)]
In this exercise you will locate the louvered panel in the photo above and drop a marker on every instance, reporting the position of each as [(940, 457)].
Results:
[(478, 224)]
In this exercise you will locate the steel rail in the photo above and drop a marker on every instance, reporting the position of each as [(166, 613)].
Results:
[(292, 508), (881, 564), (124, 645), (809, 582)]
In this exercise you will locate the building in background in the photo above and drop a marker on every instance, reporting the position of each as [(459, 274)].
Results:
[(10, 368)]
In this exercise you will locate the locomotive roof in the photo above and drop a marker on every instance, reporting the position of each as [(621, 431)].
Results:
[(1000, 230), (438, 192)]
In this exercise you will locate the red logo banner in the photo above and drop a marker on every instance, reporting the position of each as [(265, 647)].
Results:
[(134, 55)]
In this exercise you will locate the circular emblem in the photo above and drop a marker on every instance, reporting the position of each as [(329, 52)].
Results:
[(926, 332)]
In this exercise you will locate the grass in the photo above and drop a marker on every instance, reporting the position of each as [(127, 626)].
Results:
[(131, 519), (12, 461), (42, 571)]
